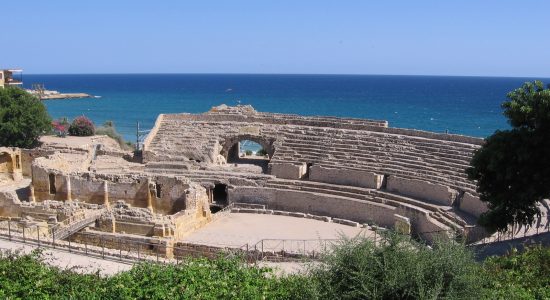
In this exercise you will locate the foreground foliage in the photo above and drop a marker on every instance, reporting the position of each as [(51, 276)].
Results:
[(520, 275), (399, 269), (512, 168), (23, 118), (27, 277)]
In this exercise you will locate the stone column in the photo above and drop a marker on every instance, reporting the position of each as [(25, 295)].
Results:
[(69, 189), (31, 194), (13, 163), (149, 195), (106, 194)]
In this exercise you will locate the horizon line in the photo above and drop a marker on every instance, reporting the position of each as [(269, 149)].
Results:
[(291, 74)]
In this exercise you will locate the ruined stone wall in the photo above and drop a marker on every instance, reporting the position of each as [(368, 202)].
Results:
[(168, 195), (10, 163), (10, 205)]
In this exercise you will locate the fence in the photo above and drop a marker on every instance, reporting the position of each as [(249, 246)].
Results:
[(131, 249), (135, 248)]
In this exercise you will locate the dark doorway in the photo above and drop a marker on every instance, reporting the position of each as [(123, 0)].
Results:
[(219, 198), (51, 178), (308, 171), (158, 190), (220, 194)]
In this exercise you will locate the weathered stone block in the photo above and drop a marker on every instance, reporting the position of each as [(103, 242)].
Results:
[(346, 222), (402, 224), (288, 170), (472, 205), (345, 177), (423, 190)]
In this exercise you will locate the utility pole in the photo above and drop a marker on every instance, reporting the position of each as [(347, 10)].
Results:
[(137, 136)]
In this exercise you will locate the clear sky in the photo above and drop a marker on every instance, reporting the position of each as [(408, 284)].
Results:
[(460, 37)]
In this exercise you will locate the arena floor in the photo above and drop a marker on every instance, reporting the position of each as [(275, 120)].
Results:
[(278, 232)]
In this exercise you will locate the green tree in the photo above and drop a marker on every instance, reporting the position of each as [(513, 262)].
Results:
[(23, 118), (512, 168)]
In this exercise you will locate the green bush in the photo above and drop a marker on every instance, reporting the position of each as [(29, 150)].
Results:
[(248, 152), (82, 126), (109, 130), (23, 118), (519, 275), (400, 268), (28, 277)]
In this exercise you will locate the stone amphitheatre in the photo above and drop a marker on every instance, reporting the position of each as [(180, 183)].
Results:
[(320, 173)]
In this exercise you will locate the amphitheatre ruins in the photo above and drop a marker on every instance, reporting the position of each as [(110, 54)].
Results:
[(191, 173)]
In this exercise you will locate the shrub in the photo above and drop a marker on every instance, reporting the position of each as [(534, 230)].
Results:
[(109, 130), (60, 127), (28, 277), (248, 152), (82, 126), (400, 268), (261, 152), (519, 275), (23, 118)]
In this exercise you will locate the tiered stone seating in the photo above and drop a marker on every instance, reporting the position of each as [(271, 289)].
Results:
[(203, 176), (338, 143), (410, 157), (444, 214)]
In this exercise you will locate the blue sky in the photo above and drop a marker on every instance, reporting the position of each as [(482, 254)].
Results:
[(468, 37)]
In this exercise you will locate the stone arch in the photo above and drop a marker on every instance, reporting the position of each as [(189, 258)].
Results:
[(230, 142), (6, 163)]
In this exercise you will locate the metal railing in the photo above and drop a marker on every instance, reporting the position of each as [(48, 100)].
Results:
[(135, 249), (109, 246)]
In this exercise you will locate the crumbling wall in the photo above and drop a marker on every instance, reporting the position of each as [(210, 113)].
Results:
[(436, 193), (10, 163), (345, 177), (10, 206)]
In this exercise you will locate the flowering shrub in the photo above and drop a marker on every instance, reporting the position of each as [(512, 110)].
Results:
[(82, 126), (60, 127)]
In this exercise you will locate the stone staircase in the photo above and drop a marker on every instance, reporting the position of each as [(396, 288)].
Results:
[(72, 225)]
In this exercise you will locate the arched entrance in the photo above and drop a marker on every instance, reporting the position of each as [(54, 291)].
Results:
[(248, 150)]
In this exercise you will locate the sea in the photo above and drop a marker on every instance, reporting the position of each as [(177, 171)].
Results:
[(459, 105)]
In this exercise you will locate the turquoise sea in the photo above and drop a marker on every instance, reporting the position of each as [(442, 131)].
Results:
[(462, 105)]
